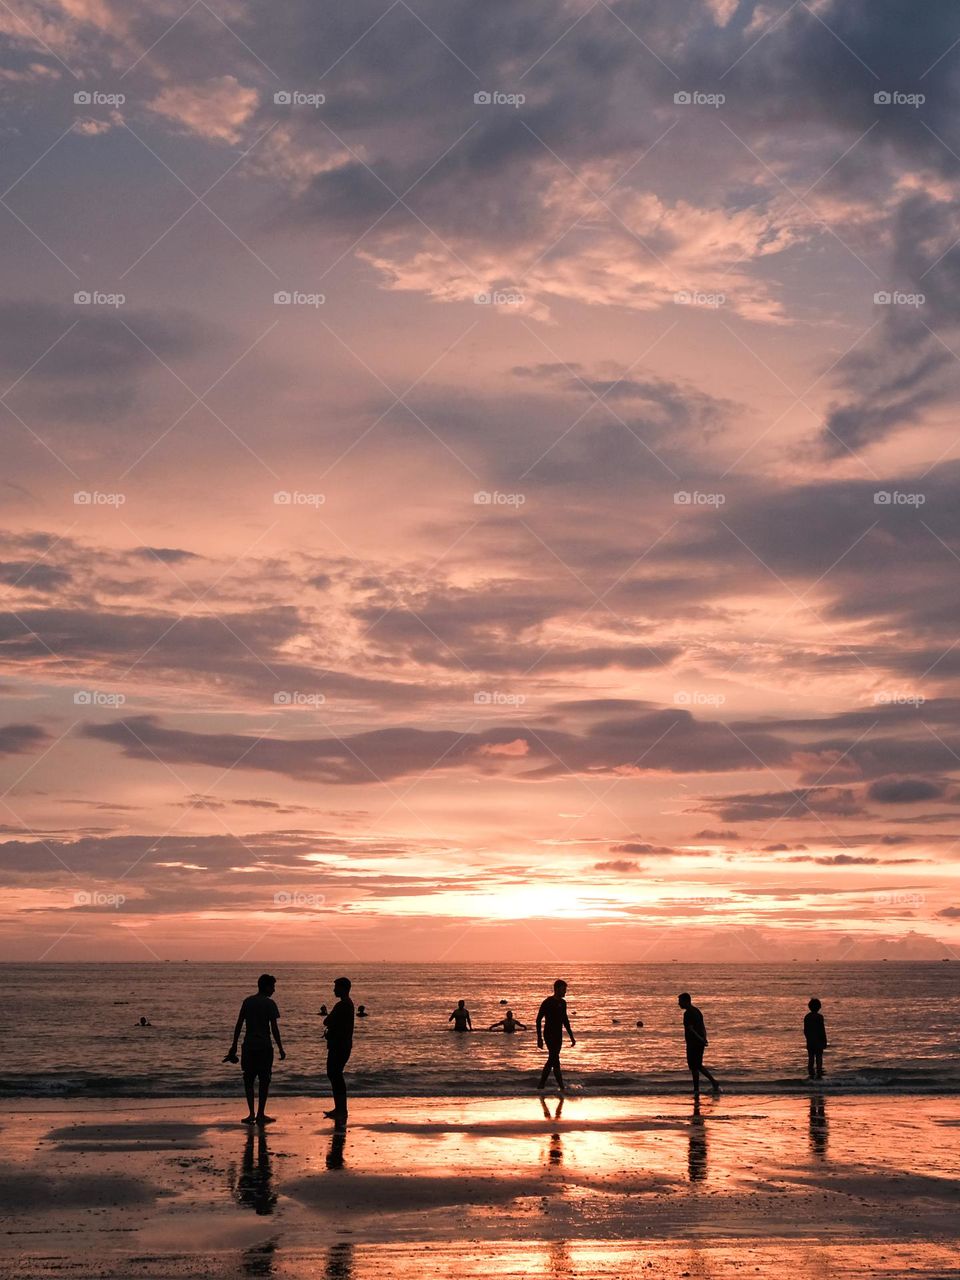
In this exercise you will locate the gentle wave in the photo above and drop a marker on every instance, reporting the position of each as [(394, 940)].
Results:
[(491, 1085)]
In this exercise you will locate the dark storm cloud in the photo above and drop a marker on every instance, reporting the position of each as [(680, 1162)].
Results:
[(31, 576), (907, 368), (15, 739), (905, 790), (73, 343), (642, 443), (243, 648), (837, 860), (803, 803), (85, 362), (672, 741), (166, 555)]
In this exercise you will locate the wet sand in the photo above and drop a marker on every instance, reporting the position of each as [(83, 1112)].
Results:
[(823, 1185)]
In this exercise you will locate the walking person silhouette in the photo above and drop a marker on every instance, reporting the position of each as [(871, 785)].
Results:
[(552, 1020), (695, 1035)]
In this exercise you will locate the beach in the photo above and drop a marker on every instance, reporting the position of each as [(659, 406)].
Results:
[(477, 1187)]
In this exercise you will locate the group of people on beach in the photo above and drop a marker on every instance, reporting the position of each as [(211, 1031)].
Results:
[(259, 1019), (260, 1016)]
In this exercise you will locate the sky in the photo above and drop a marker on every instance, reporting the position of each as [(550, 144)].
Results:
[(479, 480)]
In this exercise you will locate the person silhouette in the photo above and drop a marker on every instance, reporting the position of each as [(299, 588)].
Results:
[(552, 1020), (260, 1014), (509, 1024), (461, 1018), (323, 1011), (339, 1037), (143, 1023), (815, 1034), (362, 1011), (695, 1036)]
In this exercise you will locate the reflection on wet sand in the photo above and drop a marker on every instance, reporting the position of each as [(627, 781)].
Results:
[(253, 1187), (558, 1259), (338, 1141), (555, 1152), (258, 1260), (339, 1262), (495, 1187), (819, 1134), (697, 1150)]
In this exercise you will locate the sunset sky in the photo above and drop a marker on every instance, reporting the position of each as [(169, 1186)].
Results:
[(569, 568)]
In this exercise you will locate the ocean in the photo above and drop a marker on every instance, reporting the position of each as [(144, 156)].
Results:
[(71, 1030)]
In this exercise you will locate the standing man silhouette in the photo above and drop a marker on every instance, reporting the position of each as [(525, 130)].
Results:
[(461, 1018), (695, 1035), (552, 1020), (815, 1034), (339, 1037), (260, 1014)]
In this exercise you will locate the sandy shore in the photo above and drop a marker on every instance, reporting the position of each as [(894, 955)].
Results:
[(647, 1187)]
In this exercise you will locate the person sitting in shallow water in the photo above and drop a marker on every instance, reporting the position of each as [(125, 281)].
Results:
[(362, 1011), (323, 1011), (144, 1023), (509, 1024)]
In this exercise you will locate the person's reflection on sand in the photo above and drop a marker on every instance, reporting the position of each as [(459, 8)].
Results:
[(253, 1187), (697, 1152), (335, 1151), (555, 1152), (258, 1260), (559, 1260), (339, 1262), (819, 1134)]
